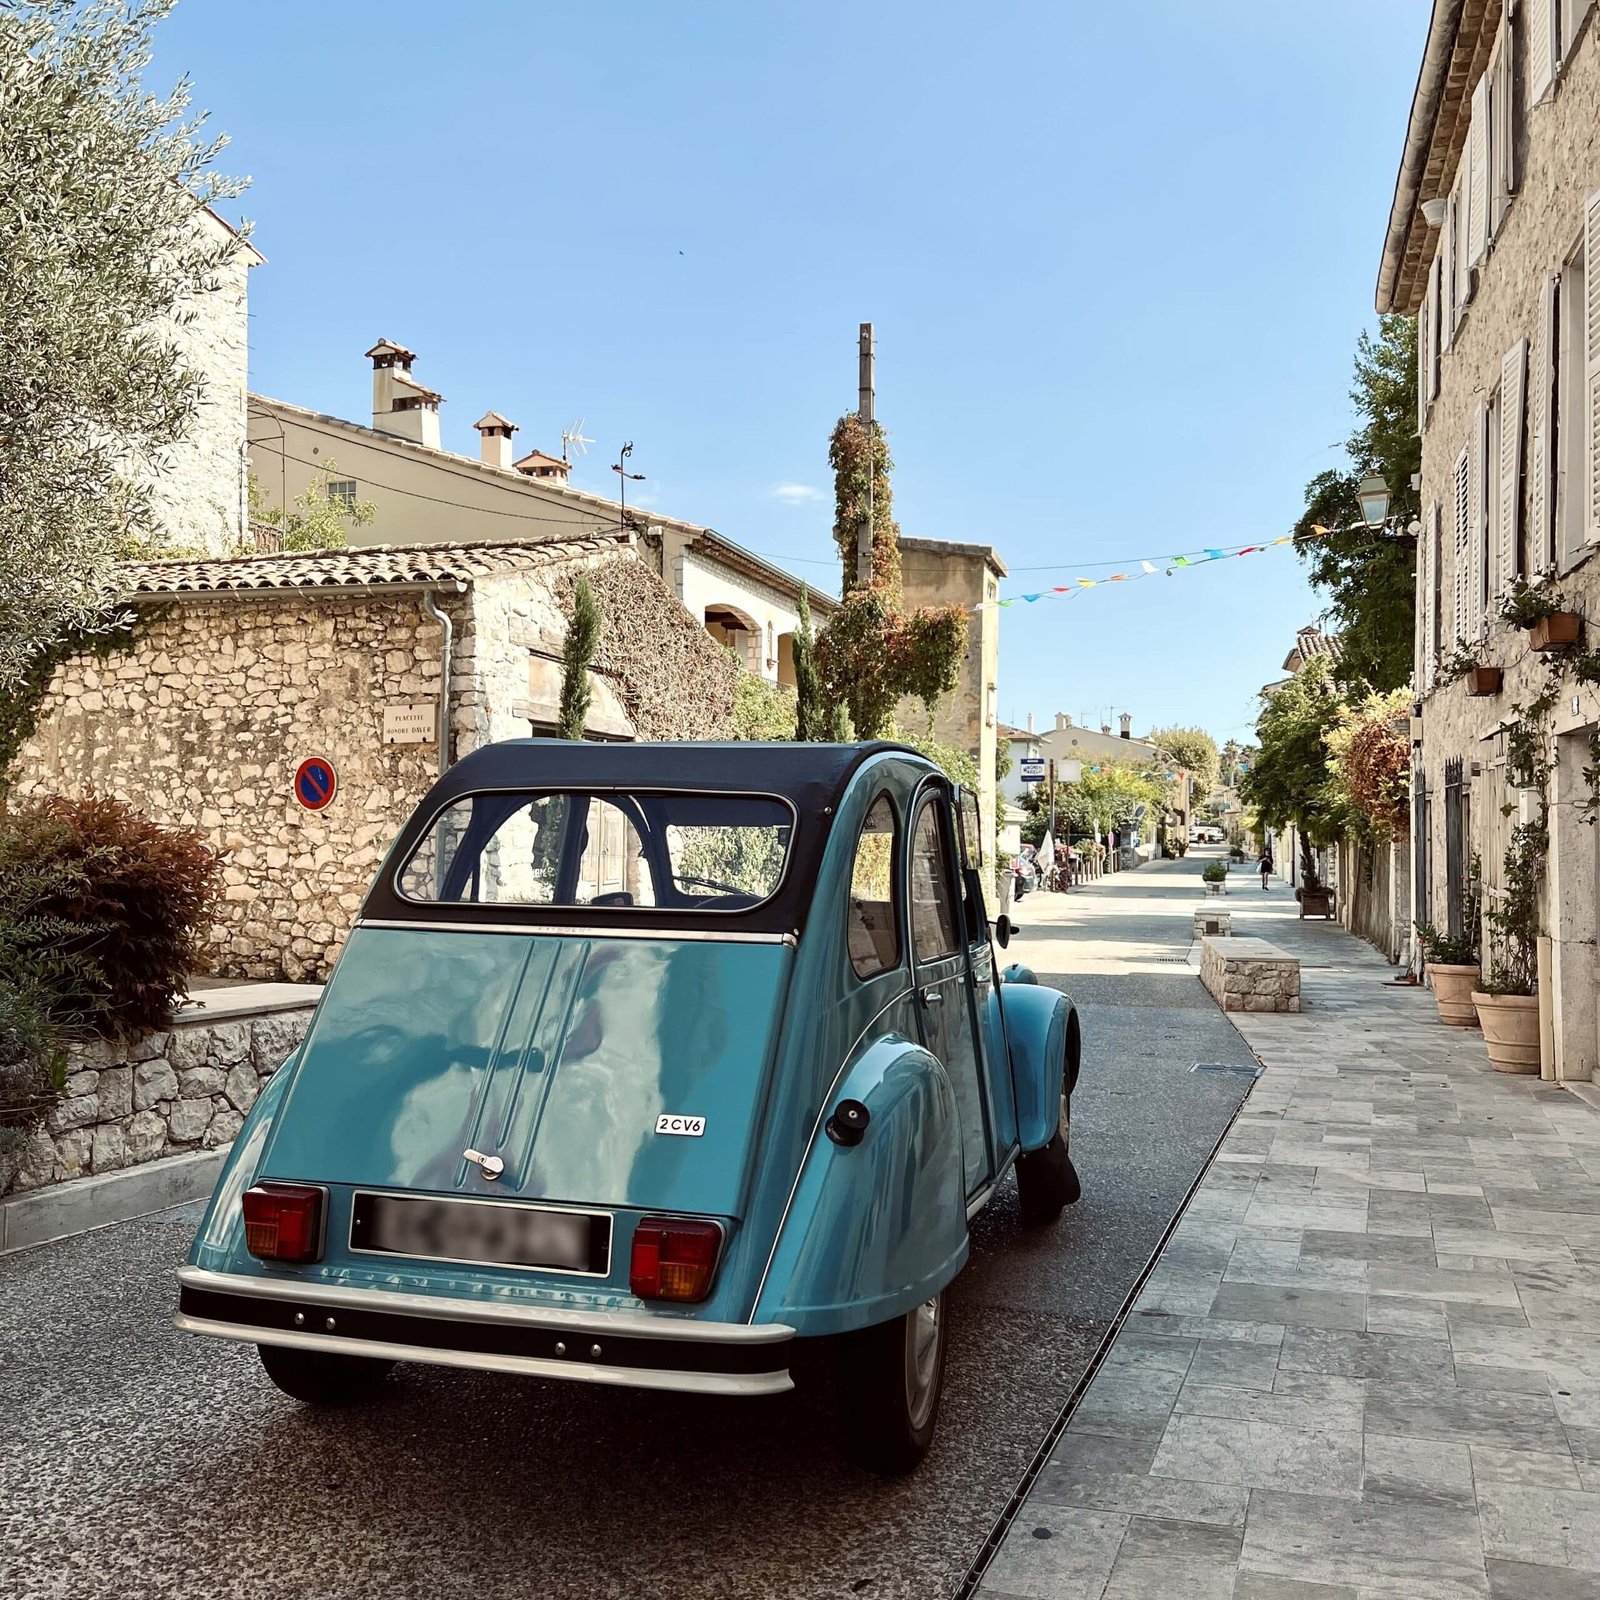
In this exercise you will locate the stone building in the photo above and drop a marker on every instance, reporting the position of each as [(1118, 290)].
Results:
[(241, 668), (937, 572), (425, 493), (1493, 242)]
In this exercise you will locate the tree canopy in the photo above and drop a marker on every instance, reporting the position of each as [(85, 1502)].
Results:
[(1370, 579), (105, 248), (1195, 750), (1113, 794), (313, 520)]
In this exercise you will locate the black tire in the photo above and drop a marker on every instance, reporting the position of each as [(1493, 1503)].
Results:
[(1047, 1181), (891, 1377), (321, 1379)]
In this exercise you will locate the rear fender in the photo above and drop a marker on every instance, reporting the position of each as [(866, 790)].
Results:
[(1042, 1033), (875, 1228), (219, 1244)]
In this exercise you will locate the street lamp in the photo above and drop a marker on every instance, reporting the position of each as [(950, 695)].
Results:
[(1373, 495)]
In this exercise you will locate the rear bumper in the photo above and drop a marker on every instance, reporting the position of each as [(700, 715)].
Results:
[(581, 1347)]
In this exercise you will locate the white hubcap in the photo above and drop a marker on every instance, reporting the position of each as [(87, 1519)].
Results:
[(924, 1336)]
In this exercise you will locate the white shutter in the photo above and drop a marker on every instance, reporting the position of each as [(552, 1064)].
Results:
[(1478, 516), (1419, 619), (1447, 274), (1541, 522), (1541, 48), (1430, 640), (1477, 162), (1506, 120), (1591, 366), (1508, 499), (1461, 565), (1433, 327), (1424, 360)]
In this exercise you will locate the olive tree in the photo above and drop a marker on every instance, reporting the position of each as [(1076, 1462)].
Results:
[(104, 252)]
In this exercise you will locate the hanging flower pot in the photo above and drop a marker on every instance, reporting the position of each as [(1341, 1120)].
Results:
[(1483, 682), (1555, 632), (1510, 1024)]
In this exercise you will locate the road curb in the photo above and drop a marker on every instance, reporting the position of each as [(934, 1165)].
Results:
[(63, 1210)]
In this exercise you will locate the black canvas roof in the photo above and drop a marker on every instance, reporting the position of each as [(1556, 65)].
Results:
[(813, 777)]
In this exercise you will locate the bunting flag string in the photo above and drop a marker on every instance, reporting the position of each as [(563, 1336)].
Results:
[(1148, 569)]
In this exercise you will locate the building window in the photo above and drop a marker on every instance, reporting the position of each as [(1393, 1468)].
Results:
[(342, 492)]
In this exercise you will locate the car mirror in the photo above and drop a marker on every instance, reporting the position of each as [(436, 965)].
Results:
[(1004, 927)]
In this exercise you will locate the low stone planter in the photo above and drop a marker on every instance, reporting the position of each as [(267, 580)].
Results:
[(1249, 975), (1452, 993), (1510, 1024), (184, 1089), (1219, 924)]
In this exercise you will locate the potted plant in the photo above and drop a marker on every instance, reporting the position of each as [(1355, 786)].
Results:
[(1315, 897), (1483, 682), (1215, 876), (1550, 626), (1507, 1000), (1451, 962)]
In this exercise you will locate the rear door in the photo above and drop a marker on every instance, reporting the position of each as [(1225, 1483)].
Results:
[(995, 1063), (940, 972)]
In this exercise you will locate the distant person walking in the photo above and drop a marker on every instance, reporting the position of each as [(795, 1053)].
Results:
[(1265, 865)]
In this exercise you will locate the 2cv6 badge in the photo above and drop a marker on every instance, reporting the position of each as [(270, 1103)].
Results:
[(455, 1165)]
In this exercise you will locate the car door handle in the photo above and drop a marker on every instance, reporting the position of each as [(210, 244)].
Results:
[(932, 997)]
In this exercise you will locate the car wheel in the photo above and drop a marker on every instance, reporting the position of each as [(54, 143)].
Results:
[(892, 1375), (320, 1378), (1047, 1181)]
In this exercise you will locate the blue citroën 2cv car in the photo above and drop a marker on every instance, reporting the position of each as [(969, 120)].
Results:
[(640, 1063)]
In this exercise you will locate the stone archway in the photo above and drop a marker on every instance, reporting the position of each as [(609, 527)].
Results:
[(738, 630)]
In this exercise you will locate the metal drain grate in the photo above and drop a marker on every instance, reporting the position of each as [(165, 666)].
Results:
[(1227, 1066)]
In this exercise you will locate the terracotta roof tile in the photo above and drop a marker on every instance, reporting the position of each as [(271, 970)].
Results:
[(370, 567)]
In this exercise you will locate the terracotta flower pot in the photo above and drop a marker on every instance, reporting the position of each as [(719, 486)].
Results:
[(1510, 1024), (1555, 632), (1483, 682), (1452, 993)]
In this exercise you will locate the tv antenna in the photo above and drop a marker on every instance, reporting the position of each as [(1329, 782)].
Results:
[(573, 439)]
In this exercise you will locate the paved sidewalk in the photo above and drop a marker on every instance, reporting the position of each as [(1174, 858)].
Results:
[(1368, 1362)]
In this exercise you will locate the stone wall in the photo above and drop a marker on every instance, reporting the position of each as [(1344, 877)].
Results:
[(203, 723), (1558, 157), (1249, 975), (185, 1089)]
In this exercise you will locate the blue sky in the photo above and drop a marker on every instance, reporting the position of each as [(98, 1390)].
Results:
[(1117, 259)]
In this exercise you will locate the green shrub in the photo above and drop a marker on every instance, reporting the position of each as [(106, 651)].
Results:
[(1448, 949), (103, 911), (33, 1066), (762, 710), (1214, 871)]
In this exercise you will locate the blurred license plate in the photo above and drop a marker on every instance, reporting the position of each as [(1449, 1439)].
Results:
[(481, 1231)]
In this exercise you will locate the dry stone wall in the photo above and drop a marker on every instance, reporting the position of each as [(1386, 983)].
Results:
[(187, 1088)]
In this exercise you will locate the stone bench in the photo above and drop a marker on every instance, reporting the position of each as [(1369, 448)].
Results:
[(1249, 975), (1218, 923)]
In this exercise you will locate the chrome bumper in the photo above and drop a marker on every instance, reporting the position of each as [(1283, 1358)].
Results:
[(636, 1352)]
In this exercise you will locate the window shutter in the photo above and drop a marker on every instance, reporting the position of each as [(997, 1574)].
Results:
[(1461, 566), (1458, 248), (1541, 49), (1430, 643), (1508, 500), (1591, 366), (1478, 174), (1508, 108), (1433, 325), (1478, 516), (1541, 524), (1424, 349), (1447, 274)]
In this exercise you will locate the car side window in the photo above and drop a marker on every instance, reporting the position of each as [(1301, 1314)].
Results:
[(933, 894), (874, 927)]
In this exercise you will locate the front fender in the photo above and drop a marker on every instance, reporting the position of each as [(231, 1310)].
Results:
[(876, 1228), (219, 1243), (1042, 1033)]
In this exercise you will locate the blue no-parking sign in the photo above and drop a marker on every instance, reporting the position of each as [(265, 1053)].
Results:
[(315, 783)]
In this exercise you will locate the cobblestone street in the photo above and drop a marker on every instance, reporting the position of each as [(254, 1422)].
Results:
[(1365, 1365)]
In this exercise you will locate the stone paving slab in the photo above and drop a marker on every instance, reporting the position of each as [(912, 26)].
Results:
[(1367, 1364)]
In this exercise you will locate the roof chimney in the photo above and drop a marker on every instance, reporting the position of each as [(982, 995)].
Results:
[(1030, 722), (1062, 721), (494, 439), (1127, 725), (401, 405), (1105, 727), (536, 464)]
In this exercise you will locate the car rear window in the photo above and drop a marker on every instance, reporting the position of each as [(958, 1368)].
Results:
[(620, 851)]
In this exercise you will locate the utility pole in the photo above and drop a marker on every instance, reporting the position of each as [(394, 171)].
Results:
[(866, 409), (1052, 829)]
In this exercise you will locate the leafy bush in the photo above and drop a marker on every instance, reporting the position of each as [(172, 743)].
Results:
[(761, 710), (1448, 949), (1214, 871), (103, 911), (33, 1066)]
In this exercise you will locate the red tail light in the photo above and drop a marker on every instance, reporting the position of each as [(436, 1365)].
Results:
[(673, 1258), (283, 1221)]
